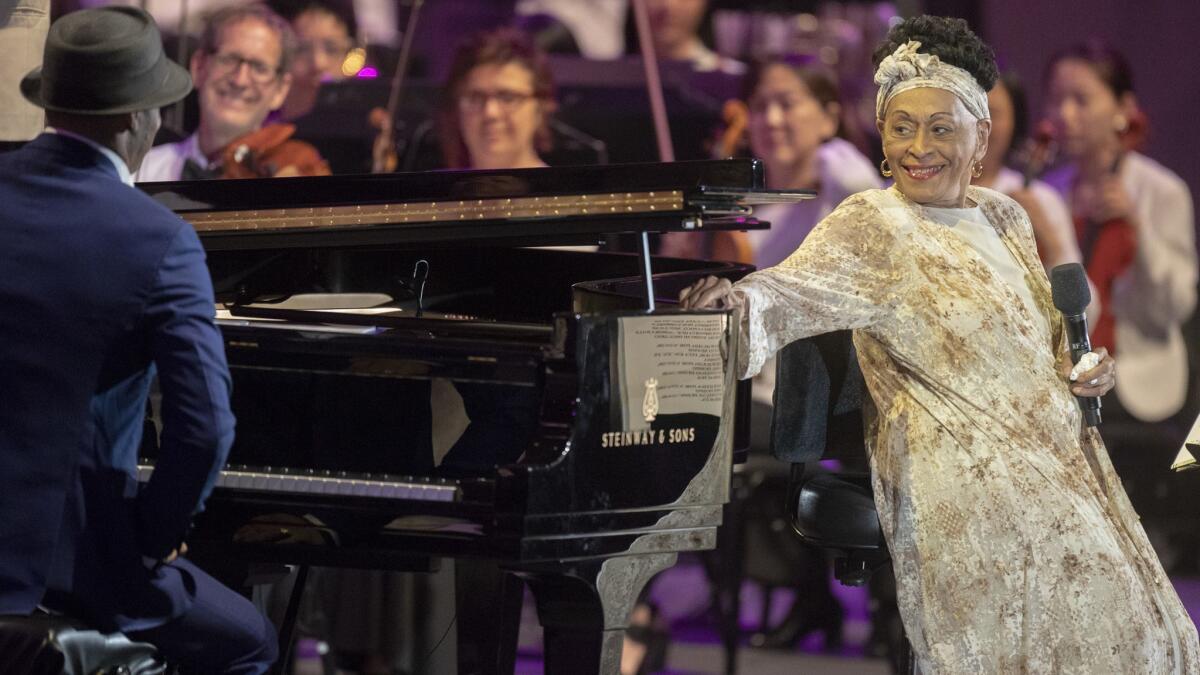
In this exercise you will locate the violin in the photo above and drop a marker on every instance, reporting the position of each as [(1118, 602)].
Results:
[(732, 245), (271, 152), (736, 116), (1039, 152)]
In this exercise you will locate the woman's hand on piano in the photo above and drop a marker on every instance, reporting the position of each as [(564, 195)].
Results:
[(709, 293)]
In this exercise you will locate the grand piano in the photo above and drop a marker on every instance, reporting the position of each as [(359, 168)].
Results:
[(602, 421)]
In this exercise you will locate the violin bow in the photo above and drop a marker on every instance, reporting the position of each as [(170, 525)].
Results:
[(662, 130), (393, 103)]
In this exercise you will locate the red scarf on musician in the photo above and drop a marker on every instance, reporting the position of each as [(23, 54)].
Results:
[(1108, 249)]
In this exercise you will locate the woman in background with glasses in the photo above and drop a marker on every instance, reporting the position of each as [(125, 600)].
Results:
[(496, 104)]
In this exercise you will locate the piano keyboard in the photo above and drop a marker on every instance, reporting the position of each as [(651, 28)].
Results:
[(254, 479)]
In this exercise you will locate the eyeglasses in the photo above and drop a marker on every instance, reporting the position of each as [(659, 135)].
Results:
[(474, 100), (230, 63)]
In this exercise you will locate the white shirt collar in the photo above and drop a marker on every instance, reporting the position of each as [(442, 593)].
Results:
[(189, 148), (117, 162)]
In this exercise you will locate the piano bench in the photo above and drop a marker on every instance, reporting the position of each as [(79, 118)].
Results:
[(837, 512), (44, 644)]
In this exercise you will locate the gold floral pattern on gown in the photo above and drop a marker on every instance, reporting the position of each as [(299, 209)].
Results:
[(1014, 545)]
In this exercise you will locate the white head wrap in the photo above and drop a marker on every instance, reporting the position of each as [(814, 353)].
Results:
[(905, 69)]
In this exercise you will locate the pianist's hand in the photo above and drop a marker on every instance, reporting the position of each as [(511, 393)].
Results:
[(182, 550), (709, 293)]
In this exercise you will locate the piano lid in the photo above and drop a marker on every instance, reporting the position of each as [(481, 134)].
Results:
[(542, 206)]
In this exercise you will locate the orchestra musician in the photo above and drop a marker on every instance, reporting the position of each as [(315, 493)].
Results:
[(325, 34), (496, 104), (1015, 548), (1135, 226), (241, 71), (679, 29), (104, 287)]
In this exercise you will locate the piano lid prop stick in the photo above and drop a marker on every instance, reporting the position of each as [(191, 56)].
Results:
[(662, 132)]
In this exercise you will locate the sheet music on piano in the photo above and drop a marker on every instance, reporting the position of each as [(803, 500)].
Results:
[(1191, 448), (670, 365), (342, 303)]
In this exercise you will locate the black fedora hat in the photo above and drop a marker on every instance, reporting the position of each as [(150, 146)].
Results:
[(105, 61)]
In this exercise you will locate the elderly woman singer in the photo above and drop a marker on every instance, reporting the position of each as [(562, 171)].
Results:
[(1015, 548)]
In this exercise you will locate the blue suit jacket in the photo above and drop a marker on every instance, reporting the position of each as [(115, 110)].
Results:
[(98, 285)]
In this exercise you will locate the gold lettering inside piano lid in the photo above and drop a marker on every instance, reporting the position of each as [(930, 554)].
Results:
[(400, 213)]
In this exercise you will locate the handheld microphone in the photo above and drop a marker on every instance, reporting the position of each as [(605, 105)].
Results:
[(1069, 287)]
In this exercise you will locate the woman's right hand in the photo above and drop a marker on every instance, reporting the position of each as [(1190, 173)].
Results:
[(709, 293)]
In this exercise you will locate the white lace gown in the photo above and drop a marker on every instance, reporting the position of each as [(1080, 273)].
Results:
[(1014, 546)]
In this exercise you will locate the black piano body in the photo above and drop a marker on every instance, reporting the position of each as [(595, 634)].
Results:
[(603, 432)]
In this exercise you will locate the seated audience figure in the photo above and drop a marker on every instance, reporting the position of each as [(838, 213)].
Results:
[(241, 71), (325, 34), (1135, 227), (105, 287)]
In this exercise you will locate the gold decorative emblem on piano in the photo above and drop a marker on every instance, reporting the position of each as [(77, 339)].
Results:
[(650, 400)]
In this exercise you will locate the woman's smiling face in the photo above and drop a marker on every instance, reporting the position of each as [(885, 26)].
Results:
[(931, 142)]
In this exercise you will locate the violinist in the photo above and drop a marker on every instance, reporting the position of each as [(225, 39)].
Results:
[(325, 35), (1134, 222), (241, 71)]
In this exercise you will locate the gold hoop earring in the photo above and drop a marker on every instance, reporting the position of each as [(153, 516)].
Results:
[(977, 169), (885, 168)]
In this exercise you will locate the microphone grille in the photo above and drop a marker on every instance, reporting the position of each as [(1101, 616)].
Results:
[(1069, 287)]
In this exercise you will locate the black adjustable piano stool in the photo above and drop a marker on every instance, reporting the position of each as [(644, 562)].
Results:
[(820, 391)]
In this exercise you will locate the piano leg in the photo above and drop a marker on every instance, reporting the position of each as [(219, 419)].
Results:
[(584, 609), (287, 630), (488, 601)]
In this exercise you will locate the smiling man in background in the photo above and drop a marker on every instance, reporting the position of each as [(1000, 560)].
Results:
[(241, 71)]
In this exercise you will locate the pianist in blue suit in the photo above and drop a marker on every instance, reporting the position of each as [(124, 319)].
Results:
[(100, 285)]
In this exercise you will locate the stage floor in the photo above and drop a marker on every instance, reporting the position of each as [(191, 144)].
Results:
[(682, 597)]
